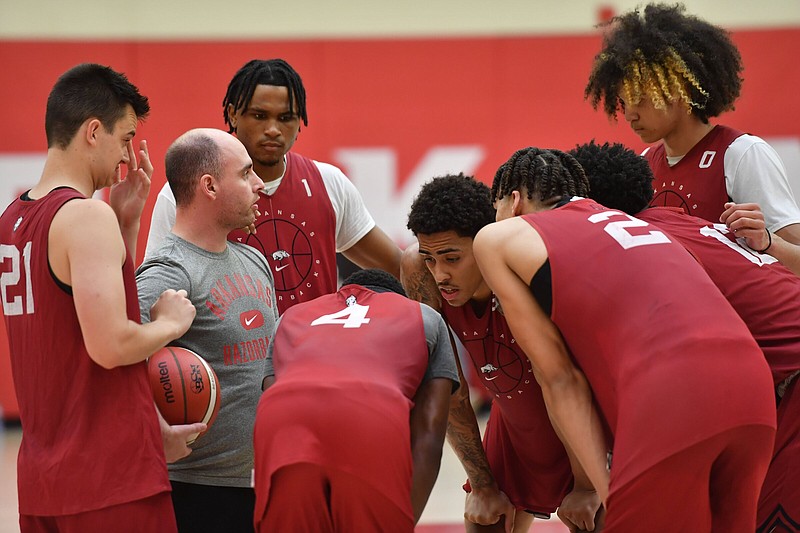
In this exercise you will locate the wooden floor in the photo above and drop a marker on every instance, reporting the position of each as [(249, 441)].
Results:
[(443, 513)]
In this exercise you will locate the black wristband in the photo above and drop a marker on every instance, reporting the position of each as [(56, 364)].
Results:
[(769, 236)]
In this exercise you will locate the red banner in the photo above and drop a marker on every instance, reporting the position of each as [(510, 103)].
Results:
[(390, 113)]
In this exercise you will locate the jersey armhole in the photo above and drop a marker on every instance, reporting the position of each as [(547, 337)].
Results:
[(542, 287)]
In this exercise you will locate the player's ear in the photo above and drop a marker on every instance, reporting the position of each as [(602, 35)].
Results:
[(516, 203), (93, 126), (208, 185), (231, 116)]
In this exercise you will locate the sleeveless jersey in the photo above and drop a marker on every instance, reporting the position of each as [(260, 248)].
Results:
[(526, 456), (763, 292), (296, 232), (332, 376), (669, 361), (696, 183), (91, 438)]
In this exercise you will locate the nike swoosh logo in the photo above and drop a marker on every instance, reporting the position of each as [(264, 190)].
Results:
[(489, 379), (248, 321), (278, 269)]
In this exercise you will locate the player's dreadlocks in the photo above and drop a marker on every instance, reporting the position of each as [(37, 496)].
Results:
[(451, 203), (544, 174), (667, 56), (275, 72), (619, 178)]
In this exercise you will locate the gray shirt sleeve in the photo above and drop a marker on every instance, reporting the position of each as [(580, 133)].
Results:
[(269, 369), (155, 276), (441, 360)]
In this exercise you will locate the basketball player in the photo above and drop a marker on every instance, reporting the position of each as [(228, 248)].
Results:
[(91, 457), (349, 432), (309, 210), (521, 470), (231, 286), (762, 291), (682, 387), (670, 73)]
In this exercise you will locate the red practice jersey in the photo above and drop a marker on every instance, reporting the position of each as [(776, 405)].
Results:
[(696, 183), (764, 292), (91, 438), (525, 454), (296, 232), (669, 361)]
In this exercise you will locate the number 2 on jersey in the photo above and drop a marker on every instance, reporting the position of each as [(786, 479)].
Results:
[(10, 278), (626, 239)]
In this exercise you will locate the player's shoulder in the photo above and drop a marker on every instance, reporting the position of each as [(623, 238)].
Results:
[(85, 212)]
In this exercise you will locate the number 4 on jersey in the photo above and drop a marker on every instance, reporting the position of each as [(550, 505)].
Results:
[(353, 316)]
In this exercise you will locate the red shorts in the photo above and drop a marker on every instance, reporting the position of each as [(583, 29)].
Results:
[(779, 504), (153, 514), (309, 498), (712, 486)]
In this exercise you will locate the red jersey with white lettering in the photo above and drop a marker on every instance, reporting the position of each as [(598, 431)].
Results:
[(339, 401), (526, 456), (669, 361), (296, 232), (764, 292), (696, 183), (91, 438)]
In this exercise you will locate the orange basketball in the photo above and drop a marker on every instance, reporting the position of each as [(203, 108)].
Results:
[(185, 387)]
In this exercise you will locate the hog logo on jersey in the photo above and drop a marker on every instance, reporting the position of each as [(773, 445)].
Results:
[(288, 245)]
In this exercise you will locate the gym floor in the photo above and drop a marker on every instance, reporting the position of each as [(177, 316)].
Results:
[(443, 514)]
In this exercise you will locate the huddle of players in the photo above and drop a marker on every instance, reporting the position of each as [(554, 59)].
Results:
[(581, 320)]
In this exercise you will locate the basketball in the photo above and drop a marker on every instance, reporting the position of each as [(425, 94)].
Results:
[(185, 387)]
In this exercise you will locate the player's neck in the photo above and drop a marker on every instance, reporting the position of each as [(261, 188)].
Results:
[(269, 173), (200, 230), (685, 135), (62, 171)]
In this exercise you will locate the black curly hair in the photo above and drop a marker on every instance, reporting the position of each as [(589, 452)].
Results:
[(375, 278), (256, 72), (668, 56), (454, 202), (544, 174), (619, 178)]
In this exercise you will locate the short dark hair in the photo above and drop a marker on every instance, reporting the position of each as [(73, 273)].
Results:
[(189, 157), (276, 72), (619, 178), (544, 174), (454, 202), (89, 91), (665, 52), (375, 278)]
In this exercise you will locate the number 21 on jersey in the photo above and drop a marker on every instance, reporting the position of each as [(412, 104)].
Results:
[(10, 277)]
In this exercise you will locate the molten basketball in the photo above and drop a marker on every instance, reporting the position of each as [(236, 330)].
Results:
[(185, 387)]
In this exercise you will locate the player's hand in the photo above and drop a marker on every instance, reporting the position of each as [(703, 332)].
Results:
[(128, 195), (251, 229), (175, 438), (747, 222), (581, 510), (487, 506), (174, 306)]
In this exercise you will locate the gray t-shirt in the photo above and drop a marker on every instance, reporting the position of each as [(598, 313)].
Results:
[(441, 361), (233, 292)]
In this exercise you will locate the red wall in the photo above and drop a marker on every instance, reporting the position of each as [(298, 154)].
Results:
[(408, 95)]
